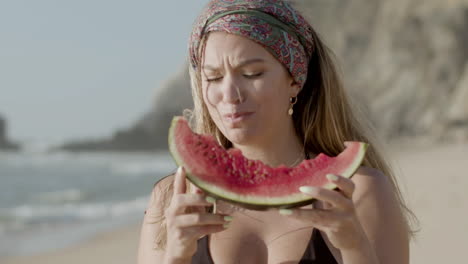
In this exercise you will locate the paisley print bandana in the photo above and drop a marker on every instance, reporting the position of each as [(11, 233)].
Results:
[(274, 24)]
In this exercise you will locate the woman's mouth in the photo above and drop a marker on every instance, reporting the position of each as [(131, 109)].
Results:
[(237, 117)]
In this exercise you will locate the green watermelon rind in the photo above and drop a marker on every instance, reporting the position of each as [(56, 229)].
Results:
[(259, 203)]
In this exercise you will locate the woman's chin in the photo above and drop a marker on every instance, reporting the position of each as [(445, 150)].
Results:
[(239, 136)]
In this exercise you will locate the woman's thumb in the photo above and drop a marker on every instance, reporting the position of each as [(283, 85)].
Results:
[(179, 181)]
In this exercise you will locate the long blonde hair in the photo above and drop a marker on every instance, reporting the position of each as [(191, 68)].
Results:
[(324, 118)]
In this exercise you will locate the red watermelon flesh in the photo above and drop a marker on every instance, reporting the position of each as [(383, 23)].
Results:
[(228, 175)]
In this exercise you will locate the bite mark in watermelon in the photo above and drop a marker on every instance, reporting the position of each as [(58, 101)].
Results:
[(228, 175)]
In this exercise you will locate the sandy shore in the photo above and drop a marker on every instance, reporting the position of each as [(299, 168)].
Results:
[(434, 179), (116, 247)]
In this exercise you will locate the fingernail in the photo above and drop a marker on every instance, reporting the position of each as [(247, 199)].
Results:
[(228, 218), (332, 177), (308, 190), (179, 170), (226, 225), (285, 212), (210, 199)]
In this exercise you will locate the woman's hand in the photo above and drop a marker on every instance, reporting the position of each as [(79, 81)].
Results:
[(337, 218), (187, 221)]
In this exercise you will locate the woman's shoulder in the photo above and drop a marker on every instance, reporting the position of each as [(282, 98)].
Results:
[(373, 183), (164, 183), (370, 173), (161, 193)]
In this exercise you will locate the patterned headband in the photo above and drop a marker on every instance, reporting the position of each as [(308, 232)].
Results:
[(274, 24)]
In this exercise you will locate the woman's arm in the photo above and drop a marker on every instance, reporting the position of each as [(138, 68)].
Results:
[(361, 221), (147, 254), (185, 221), (381, 218)]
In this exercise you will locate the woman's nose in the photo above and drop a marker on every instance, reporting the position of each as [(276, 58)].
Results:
[(232, 90)]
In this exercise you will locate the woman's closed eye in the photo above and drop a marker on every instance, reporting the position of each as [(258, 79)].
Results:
[(253, 76), (214, 79), (248, 76)]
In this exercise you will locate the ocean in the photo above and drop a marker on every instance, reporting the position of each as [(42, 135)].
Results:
[(53, 200)]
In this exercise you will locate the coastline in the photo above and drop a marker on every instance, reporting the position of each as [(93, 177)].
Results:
[(431, 178)]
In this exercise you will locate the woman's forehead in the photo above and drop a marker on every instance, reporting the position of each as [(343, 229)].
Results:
[(240, 64), (237, 50)]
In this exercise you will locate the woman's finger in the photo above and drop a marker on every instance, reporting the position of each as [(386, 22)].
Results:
[(335, 198), (345, 185), (322, 205), (179, 182), (180, 202), (198, 232), (318, 217), (195, 190), (188, 220)]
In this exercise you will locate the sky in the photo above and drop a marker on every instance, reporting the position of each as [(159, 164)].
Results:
[(83, 69)]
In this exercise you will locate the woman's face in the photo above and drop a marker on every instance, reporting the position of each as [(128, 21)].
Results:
[(246, 89)]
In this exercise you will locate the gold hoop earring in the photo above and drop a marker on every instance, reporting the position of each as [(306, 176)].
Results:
[(293, 101)]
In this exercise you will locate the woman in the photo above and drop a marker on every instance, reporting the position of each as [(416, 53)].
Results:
[(263, 82)]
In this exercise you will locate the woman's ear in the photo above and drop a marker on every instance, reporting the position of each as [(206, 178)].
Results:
[(295, 88)]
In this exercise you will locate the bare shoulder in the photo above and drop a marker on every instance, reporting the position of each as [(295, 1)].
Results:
[(374, 189), (372, 180), (376, 200), (164, 183), (152, 229), (161, 193), (369, 174)]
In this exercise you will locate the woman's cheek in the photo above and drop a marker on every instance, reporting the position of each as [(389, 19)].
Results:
[(208, 96), (211, 99)]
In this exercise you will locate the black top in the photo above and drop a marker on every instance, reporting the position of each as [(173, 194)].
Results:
[(316, 244)]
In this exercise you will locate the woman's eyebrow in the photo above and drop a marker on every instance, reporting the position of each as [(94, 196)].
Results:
[(240, 65)]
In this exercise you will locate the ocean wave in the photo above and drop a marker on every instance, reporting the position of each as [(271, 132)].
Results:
[(61, 196), (31, 159), (147, 167), (133, 163), (27, 215)]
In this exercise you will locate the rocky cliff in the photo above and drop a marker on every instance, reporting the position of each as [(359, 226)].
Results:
[(5, 144), (405, 60), (151, 131)]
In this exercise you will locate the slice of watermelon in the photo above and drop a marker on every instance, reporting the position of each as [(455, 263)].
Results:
[(228, 175)]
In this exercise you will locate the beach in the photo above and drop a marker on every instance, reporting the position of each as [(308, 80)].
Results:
[(117, 246), (433, 179)]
